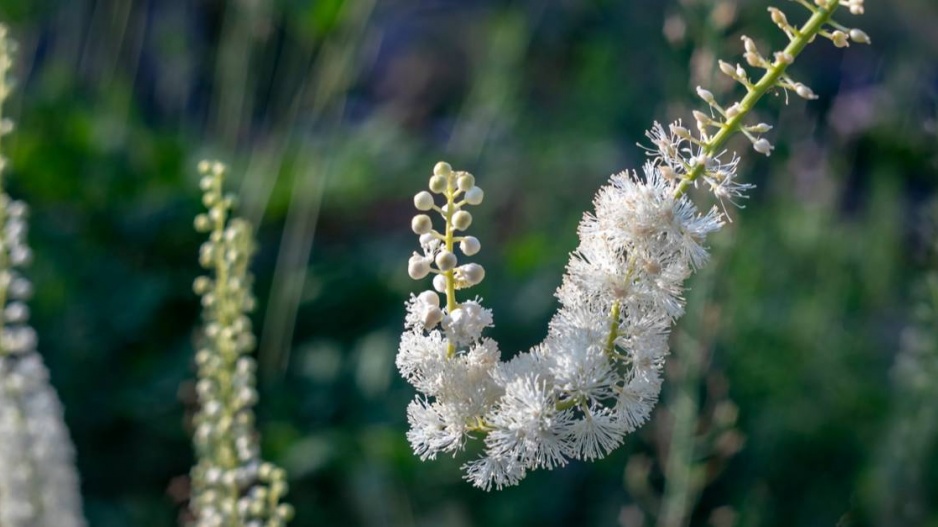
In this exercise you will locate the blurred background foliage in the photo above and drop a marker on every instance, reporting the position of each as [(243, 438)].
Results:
[(788, 402)]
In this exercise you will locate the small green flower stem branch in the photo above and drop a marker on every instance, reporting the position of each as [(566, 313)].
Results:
[(802, 37)]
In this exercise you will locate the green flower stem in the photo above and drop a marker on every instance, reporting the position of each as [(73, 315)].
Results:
[(449, 240), (803, 36)]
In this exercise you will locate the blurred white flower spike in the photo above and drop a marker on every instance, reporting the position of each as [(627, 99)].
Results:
[(597, 375), (38, 480)]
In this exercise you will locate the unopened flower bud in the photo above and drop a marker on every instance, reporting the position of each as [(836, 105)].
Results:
[(702, 118), (423, 200), (432, 316), (438, 184), (839, 38), (445, 260), (472, 273), (779, 17), (749, 44), (804, 92), (439, 283), (859, 36), (202, 223), (429, 297), (728, 69), (418, 267), (465, 181), (462, 220), (442, 169), (421, 224), (474, 196), (680, 131), (783, 57), (470, 245), (733, 110), (760, 128), (762, 146), (706, 95)]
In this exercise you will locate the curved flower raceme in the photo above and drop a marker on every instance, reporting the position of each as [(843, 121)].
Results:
[(597, 375)]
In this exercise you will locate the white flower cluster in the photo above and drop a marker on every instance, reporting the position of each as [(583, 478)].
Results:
[(231, 484), (38, 481), (598, 373)]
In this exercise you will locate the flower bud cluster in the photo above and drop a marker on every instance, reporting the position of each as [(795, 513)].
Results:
[(231, 484), (597, 375), (439, 257), (38, 481)]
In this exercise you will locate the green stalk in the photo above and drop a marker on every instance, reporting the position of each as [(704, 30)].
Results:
[(803, 37)]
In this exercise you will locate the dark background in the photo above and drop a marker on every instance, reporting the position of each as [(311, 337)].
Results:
[(332, 115)]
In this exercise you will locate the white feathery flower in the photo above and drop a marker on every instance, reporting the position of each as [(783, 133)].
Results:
[(434, 428), (489, 471), (576, 358), (526, 425), (595, 434), (421, 359)]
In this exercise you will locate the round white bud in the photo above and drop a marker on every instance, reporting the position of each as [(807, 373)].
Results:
[(442, 169), (418, 267), (432, 316), (472, 273), (202, 223), (763, 146), (465, 182), (462, 220), (839, 38), (423, 200), (439, 283), (445, 260), (474, 196), (469, 245), (438, 184), (421, 224), (429, 297)]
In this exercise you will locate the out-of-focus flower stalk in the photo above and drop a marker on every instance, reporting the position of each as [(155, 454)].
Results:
[(38, 481), (231, 485)]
